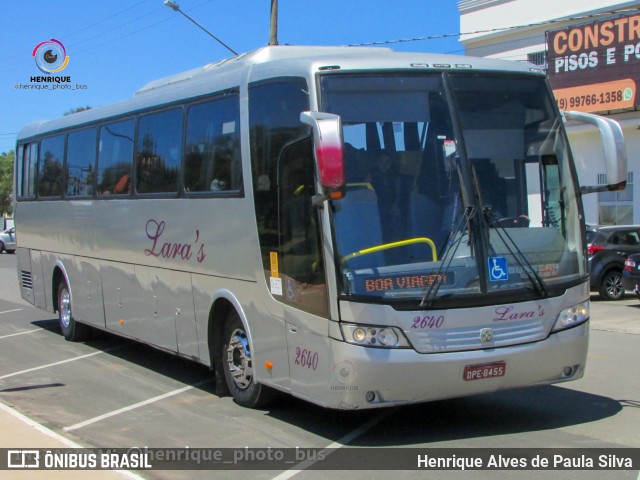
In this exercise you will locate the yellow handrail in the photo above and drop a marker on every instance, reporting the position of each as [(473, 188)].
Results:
[(366, 185), (387, 246)]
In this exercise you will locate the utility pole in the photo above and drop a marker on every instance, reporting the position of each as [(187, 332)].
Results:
[(273, 33)]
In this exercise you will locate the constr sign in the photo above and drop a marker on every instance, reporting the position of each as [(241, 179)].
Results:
[(595, 67)]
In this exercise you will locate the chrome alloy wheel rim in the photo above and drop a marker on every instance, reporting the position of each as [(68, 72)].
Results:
[(65, 308), (614, 285), (239, 359)]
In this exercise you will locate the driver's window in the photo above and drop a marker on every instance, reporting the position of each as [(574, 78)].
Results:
[(301, 260)]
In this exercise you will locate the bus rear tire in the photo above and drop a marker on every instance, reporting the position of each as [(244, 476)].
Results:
[(71, 330), (237, 363)]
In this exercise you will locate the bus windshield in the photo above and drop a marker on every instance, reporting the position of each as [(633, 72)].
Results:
[(457, 186)]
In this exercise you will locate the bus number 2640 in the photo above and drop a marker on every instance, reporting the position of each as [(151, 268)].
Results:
[(428, 321)]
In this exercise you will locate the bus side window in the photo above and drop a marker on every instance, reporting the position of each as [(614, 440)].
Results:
[(159, 152), (81, 158), (27, 169), (212, 152), (50, 172), (115, 156)]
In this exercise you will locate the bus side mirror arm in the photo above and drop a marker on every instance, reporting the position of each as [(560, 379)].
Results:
[(615, 152), (318, 200), (329, 154)]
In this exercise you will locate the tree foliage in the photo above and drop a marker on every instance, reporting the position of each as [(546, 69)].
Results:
[(6, 181), (76, 110)]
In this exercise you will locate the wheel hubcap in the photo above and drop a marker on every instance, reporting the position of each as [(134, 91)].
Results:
[(65, 308), (239, 359), (614, 286)]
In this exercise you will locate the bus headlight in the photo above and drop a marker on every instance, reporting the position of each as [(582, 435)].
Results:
[(374, 336), (572, 316)]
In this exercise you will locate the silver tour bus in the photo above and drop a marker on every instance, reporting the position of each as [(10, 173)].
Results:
[(356, 227)]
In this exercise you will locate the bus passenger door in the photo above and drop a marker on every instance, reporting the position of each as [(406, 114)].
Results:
[(301, 269)]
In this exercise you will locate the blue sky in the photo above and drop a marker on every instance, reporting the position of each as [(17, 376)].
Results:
[(117, 46)]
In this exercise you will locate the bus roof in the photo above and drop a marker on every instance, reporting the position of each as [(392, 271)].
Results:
[(265, 63)]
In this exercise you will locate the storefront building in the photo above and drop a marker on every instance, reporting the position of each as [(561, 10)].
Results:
[(590, 50)]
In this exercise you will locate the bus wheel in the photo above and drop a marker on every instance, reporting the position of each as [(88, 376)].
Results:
[(71, 330), (238, 366)]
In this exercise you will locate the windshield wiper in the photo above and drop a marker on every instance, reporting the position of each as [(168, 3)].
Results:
[(515, 252), (455, 239)]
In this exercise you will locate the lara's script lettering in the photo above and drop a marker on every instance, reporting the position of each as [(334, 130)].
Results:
[(183, 251), (507, 313)]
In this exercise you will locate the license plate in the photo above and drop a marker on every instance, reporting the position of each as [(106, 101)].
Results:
[(485, 370)]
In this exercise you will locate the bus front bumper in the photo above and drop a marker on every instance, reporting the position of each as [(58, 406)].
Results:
[(374, 377)]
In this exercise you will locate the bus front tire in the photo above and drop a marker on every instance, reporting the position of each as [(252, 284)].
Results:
[(237, 363), (71, 330)]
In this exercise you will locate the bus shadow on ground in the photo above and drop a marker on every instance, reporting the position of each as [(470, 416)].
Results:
[(502, 413), (165, 364)]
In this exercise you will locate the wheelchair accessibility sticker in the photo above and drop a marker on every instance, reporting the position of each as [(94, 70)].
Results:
[(498, 269)]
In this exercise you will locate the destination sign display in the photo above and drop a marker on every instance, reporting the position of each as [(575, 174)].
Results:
[(382, 283)]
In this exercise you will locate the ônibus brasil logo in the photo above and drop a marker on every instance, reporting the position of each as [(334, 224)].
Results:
[(50, 56)]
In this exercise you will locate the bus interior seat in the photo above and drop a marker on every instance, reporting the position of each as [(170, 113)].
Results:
[(358, 221)]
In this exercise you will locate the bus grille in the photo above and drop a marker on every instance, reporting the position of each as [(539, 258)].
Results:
[(468, 338), (26, 280)]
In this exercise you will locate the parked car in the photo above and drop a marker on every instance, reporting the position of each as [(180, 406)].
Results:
[(631, 274), (607, 249), (8, 240)]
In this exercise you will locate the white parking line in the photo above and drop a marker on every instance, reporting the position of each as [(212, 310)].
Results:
[(63, 440), (58, 363), (300, 467), (21, 333), (134, 406), (11, 311)]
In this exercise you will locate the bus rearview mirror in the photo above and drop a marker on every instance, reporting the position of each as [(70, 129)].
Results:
[(615, 153), (329, 151)]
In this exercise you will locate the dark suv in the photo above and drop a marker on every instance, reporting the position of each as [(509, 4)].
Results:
[(608, 248), (631, 274)]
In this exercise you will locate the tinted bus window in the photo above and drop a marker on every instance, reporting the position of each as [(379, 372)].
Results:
[(283, 170), (212, 156), (159, 152), (81, 158), (274, 121), (50, 173), (32, 170), (27, 168), (115, 158)]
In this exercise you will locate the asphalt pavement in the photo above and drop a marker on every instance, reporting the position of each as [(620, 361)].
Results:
[(19, 431), (621, 316)]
